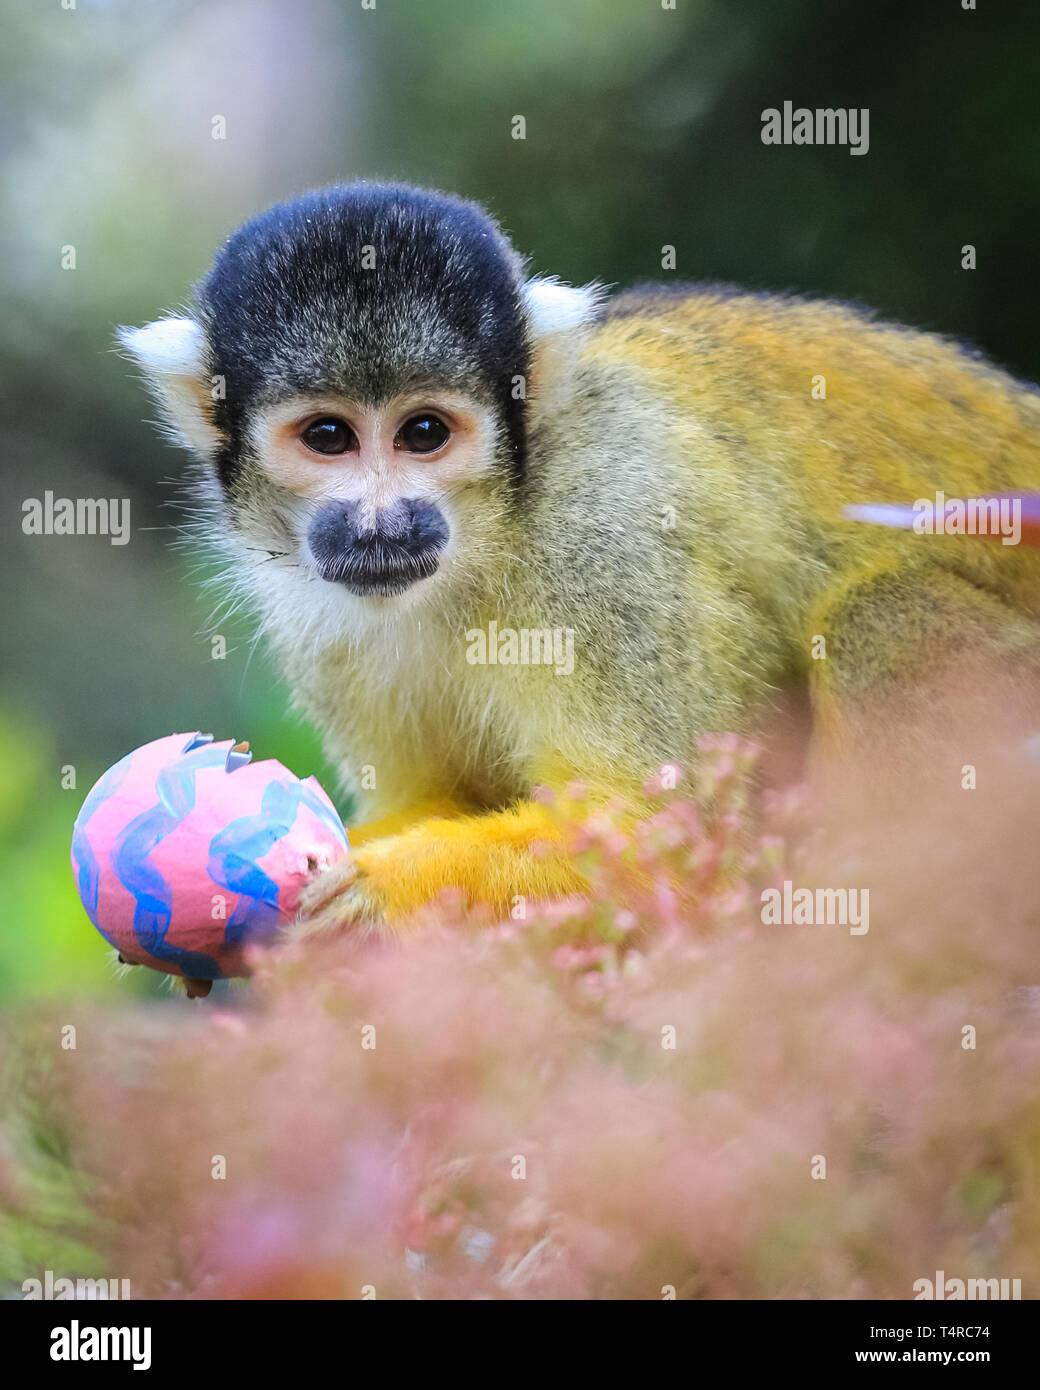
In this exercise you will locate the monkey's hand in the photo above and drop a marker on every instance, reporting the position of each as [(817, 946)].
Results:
[(336, 899), (491, 859)]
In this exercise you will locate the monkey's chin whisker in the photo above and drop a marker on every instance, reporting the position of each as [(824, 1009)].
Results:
[(380, 583), (378, 588)]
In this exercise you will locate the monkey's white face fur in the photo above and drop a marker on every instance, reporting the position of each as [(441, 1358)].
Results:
[(269, 543), (452, 477)]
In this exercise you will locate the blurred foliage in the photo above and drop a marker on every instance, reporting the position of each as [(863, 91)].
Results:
[(643, 129), (741, 1056), (44, 1204)]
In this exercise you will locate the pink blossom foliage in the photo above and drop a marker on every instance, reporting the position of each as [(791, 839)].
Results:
[(639, 1089)]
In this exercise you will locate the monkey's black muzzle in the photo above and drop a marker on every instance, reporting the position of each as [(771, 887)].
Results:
[(394, 550)]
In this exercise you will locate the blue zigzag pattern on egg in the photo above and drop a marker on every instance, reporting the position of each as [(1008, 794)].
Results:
[(130, 859), (234, 853)]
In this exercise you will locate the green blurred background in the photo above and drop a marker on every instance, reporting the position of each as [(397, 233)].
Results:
[(643, 129)]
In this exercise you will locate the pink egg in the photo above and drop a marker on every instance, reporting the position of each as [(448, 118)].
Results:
[(186, 852)]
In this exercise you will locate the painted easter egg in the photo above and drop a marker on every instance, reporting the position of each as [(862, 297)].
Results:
[(186, 852)]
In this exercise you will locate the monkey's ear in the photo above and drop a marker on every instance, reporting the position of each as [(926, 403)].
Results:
[(558, 316), (172, 353), (553, 307)]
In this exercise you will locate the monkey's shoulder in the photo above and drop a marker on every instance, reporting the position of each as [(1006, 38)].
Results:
[(787, 365)]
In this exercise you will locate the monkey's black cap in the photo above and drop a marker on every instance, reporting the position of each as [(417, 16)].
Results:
[(367, 290)]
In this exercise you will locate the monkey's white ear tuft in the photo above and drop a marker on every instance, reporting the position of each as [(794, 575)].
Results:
[(168, 347), (172, 355), (553, 307)]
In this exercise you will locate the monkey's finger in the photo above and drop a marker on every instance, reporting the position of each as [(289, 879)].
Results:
[(356, 909), (326, 887), (350, 913)]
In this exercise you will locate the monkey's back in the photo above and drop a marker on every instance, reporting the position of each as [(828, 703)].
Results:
[(896, 415), (697, 530)]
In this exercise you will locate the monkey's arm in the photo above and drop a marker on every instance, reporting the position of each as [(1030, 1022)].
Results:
[(492, 858)]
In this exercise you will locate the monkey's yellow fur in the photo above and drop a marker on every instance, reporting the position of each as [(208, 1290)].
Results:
[(683, 516)]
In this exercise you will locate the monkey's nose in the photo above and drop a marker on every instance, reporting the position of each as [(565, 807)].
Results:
[(382, 553)]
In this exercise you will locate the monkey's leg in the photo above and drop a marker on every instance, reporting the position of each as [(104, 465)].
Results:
[(919, 662), (489, 857)]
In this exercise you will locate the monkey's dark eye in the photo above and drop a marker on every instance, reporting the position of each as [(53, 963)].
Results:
[(422, 434), (329, 436)]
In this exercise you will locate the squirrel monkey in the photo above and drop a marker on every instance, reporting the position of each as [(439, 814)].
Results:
[(501, 531)]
